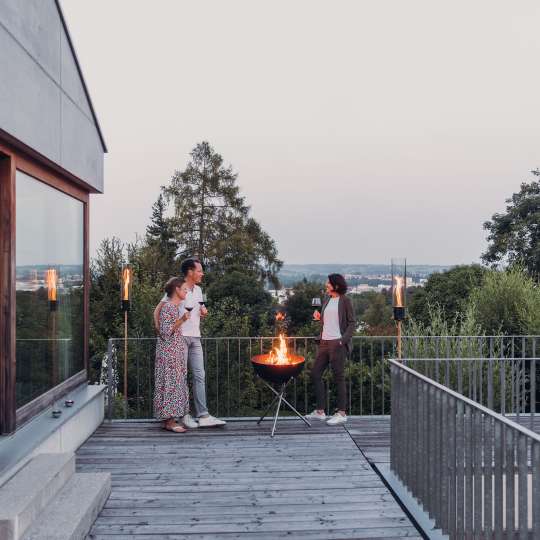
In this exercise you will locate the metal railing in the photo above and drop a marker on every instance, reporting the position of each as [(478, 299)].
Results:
[(232, 387), (505, 385), (475, 472), (234, 390)]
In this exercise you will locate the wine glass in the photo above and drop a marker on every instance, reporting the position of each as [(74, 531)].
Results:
[(189, 306), (204, 299), (316, 304)]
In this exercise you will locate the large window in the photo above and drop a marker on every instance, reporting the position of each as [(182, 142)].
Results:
[(50, 308)]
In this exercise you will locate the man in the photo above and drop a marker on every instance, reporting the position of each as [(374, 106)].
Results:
[(191, 330)]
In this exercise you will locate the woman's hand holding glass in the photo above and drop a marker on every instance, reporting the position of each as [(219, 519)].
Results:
[(316, 303)]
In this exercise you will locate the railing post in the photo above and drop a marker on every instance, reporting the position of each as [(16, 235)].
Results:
[(523, 480), (444, 477), (535, 459), (451, 441), (498, 508), (478, 476), (510, 478), (110, 382)]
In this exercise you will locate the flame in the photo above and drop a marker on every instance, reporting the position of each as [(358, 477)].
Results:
[(52, 280), (280, 354), (398, 291), (280, 316), (126, 279)]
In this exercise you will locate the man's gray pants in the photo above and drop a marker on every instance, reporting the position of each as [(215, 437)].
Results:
[(196, 367)]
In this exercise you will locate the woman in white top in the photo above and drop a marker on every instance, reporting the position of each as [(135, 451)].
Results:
[(338, 325)]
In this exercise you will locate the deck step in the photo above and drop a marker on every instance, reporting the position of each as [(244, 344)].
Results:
[(72, 512), (27, 493)]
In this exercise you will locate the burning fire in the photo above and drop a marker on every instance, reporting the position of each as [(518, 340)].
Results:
[(52, 280), (126, 279), (280, 316), (398, 291), (280, 355)]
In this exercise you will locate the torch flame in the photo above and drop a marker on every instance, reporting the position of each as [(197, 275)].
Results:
[(398, 291), (280, 316), (280, 354), (52, 280), (126, 279)]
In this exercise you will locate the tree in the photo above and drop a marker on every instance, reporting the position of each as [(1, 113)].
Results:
[(514, 236), (238, 306), (378, 316), (160, 238), (507, 303), (212, 221), (106, 317), (299, 308), (450, 290)]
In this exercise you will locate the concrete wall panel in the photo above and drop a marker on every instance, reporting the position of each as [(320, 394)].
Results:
[(36, 26), (70, 80), (29, 100), (81, 147), (42, 98)]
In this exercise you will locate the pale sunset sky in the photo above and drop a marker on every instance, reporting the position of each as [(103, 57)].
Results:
[(360, 130)]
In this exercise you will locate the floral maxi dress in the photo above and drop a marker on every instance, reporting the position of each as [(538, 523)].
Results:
[(171, 397)]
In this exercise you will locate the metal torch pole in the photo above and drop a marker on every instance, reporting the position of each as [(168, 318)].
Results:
[(399, 340), (54, 354), (125, 364)]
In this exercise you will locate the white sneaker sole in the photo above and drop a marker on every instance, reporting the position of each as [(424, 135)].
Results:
[(328, 423), (212, 425)]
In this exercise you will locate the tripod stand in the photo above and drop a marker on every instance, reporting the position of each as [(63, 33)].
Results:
[(279, 398)]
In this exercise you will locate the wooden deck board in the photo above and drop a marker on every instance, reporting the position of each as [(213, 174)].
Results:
[(237, 482)]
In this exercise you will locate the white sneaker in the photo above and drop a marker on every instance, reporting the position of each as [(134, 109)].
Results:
[(189, 421), (210, 421), (336, 419), (315, 415)]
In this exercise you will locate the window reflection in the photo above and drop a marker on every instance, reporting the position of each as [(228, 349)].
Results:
[(49, 266)]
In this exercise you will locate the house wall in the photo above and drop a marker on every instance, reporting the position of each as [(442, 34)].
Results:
[(43, 102)]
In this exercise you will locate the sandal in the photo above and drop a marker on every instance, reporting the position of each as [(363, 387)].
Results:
[(175, 429)]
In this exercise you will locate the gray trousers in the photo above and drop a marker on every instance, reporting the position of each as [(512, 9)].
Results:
[(196, 367)]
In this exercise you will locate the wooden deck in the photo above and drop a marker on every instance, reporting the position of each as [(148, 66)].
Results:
[(237, 482)]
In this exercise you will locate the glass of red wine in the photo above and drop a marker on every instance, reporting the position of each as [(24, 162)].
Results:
[(316, 304), (204, 300)]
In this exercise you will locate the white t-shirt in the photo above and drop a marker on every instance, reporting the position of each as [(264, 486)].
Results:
[(191, 327), (331, 320)]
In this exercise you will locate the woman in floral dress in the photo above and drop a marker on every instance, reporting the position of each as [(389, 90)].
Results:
[(171, 397)]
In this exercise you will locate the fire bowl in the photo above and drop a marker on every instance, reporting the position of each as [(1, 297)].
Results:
[(277, 373)]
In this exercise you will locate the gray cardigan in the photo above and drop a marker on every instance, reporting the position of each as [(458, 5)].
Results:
[(347, 320)]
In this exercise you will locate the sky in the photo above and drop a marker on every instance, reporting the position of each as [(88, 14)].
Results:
[(360, 130)]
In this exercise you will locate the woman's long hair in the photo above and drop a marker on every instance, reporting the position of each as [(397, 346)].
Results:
[(338, 283)]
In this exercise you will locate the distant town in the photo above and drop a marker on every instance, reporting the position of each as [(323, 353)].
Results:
[(361, 278), (33, 278)]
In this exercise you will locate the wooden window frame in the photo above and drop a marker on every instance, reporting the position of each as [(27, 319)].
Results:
[(12, 159)]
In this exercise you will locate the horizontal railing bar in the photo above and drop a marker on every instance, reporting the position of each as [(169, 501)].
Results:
[(44, 339), (468, 359), (469, 402), (404, 338), (244, 338)]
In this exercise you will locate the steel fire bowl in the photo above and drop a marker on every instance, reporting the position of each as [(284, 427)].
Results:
[(277, 373)]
